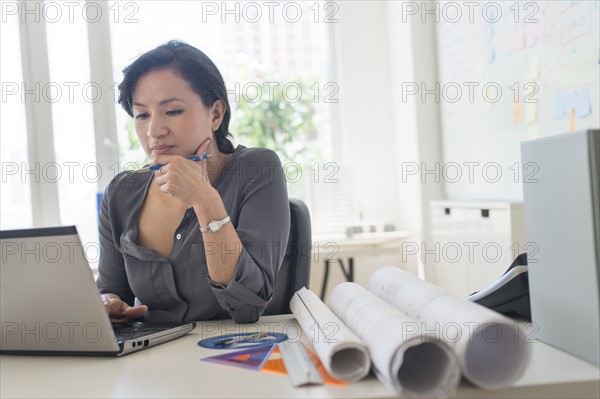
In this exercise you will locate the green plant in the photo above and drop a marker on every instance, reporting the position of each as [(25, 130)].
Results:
[(278, 116), (134, 153)]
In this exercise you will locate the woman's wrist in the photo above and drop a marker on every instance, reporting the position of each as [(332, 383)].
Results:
[(210, 208)]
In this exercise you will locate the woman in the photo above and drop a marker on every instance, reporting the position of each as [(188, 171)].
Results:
[(192, 240)]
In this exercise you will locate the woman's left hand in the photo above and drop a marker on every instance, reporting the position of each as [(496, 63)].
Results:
[(184, 179)]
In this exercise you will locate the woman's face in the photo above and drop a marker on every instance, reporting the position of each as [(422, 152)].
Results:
[(170, 118)]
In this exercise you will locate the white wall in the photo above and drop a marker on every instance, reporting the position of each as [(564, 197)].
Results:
[(413, 58), (375, 54), (366, 124)]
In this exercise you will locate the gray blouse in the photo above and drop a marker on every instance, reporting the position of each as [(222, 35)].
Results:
[(252, 187)]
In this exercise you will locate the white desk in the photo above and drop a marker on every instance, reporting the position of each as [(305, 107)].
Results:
[(337, 250), (175, 370)]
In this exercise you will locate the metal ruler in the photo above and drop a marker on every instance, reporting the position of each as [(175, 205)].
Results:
[(299, 366)]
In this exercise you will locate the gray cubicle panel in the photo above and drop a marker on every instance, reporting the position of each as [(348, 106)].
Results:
[(562, 215)]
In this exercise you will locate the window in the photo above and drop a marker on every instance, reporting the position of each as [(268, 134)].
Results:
[(258, 47), (272, 56), (15, 195), (71, 96)]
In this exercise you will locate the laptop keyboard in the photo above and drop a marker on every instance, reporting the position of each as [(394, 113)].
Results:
[(133, 330)]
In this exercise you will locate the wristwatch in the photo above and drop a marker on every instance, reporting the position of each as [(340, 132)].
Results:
[(215, 225)]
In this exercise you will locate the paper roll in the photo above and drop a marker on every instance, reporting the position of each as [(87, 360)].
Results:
[(490, 347), (343, 354), (410, 363)]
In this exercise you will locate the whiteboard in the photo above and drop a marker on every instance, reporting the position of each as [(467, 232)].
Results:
[(519, 71)]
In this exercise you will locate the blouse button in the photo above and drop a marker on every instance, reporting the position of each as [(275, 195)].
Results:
[(178, 236)]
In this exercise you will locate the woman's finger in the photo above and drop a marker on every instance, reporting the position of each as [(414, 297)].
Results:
[(118, 310), (203, 147), (126, 312), (133, 312)]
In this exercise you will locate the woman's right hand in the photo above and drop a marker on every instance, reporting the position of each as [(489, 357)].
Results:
[(120, 311)]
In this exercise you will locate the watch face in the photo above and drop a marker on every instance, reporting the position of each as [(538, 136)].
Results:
[(213, 226)]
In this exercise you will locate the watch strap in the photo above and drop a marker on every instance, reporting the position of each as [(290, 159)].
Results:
[(220, 223)]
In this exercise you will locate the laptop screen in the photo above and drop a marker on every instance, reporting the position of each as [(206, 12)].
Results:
[(48, 297)]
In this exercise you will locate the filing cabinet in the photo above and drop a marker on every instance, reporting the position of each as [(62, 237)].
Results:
[(472, 244)]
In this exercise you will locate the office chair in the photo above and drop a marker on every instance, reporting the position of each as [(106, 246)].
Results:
[(294, 272)]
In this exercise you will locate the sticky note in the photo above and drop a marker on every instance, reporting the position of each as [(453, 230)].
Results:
[(560, 109), (480, 68), (582, 103), (489, 30), (517, 112), (572, 127), (531, 114), (533, 72), (570, 98), (490, 53)]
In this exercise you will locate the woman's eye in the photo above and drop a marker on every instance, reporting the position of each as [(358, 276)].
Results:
[(141, 116), (174, 112)]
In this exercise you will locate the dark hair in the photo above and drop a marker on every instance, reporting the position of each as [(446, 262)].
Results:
[(190, 64)]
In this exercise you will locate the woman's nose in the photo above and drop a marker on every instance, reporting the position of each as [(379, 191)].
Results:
[(157, 128)]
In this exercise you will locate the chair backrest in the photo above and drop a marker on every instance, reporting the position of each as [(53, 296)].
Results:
[(294, 272)]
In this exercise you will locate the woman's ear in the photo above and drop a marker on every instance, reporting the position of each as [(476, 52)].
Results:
[(217, 113)]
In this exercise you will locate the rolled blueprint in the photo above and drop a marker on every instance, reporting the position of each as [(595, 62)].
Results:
[(344, 355), (490, 347), (406, 361)]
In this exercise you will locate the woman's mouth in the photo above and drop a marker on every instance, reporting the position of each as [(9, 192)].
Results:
[(161, 149)]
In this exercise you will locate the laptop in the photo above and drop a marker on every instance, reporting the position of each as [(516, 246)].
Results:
[(49, 302)]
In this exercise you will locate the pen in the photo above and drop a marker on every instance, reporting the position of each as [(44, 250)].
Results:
[(242, 338), (160, 165)]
